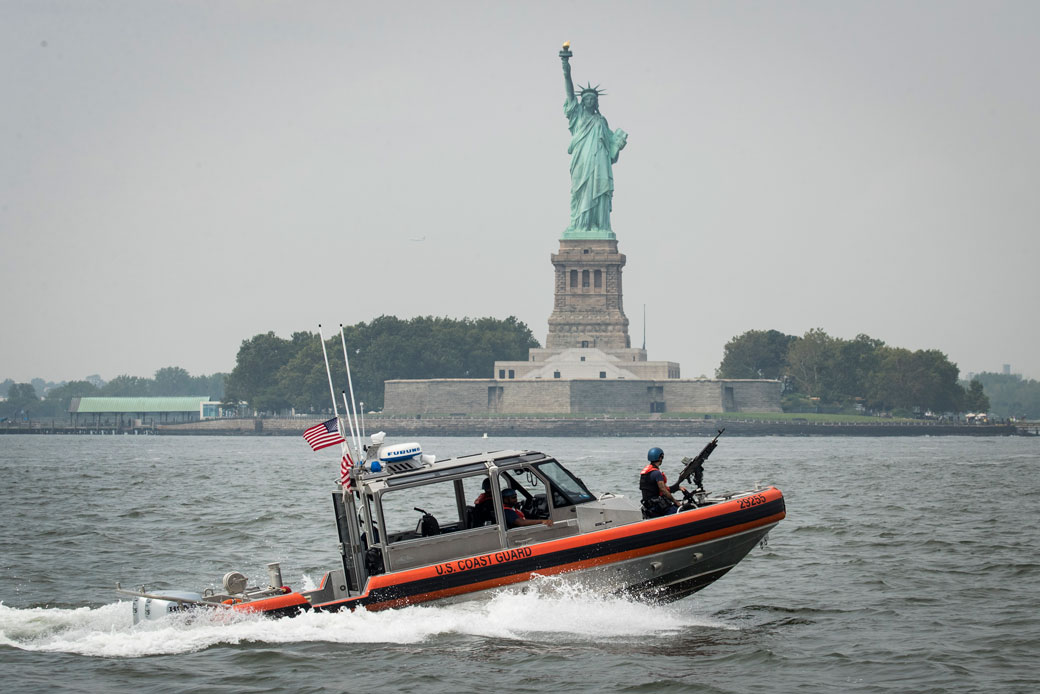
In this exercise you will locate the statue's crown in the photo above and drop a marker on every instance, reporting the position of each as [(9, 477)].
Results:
[(589, 89)]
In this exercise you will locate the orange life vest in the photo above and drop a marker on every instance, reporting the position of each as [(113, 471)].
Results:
[(650, 468), (648, 488)]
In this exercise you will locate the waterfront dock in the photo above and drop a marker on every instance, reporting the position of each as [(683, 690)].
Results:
[(544, 426)]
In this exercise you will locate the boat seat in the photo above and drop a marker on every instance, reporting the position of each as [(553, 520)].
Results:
[(428, 526), (482, 515)]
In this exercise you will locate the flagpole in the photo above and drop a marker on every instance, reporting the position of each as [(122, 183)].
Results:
[(350, 384)]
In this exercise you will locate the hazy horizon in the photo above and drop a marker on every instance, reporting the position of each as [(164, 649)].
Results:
[(180, 176)]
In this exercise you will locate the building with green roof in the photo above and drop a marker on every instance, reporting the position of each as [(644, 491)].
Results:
[(142, 411)]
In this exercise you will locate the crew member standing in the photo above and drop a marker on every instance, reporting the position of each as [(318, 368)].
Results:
[(657, 495)]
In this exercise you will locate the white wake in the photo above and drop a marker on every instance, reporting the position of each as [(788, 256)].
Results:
[(549, 607)]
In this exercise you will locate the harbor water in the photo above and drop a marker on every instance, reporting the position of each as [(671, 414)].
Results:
[(904, 565)]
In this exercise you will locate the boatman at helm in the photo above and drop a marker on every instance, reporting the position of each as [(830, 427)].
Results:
[(514, 516), (657, 495)]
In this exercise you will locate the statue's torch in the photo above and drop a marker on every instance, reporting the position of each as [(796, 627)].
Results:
[(565, 54)]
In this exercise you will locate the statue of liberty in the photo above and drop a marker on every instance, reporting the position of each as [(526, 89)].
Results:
[(593, 149)]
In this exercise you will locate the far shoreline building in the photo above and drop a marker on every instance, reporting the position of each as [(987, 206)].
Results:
[(143, 411)]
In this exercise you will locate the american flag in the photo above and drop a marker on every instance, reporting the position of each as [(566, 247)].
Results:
[(322, 435), (344, 471)]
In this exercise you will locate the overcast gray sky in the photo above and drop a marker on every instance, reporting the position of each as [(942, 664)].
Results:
[(178, 176)]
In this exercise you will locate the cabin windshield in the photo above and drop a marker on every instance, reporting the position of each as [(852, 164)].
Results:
[(568, 490)]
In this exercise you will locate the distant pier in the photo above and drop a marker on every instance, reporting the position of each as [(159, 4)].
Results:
[(446, 425)]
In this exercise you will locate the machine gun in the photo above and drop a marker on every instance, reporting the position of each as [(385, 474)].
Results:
[(695, 466)]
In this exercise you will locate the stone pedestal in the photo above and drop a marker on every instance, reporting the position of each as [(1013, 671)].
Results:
[(588, 311)]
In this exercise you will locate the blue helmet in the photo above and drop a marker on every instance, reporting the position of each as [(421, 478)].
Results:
[(655, 455)]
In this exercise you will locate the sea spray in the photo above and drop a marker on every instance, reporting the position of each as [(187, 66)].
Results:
[(545, 606)]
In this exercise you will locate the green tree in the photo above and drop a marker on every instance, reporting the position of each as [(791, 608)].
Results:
[(938, 389), (1010, 395), (891, 385), (829, 372), (21, 403), (427, 347), (173, 381), (385, 348), (811, 361), (855, 362), (96, 380), (5, 387), (212, 385), (303, 380), (126, 386), (60, 398), (755, 354), (919, 380), (975, 399), (255, 376)]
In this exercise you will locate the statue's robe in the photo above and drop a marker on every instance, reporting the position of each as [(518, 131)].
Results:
[(593, 149)]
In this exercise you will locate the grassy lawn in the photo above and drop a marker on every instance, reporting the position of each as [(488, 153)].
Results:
[(790, 417), (794, 417)]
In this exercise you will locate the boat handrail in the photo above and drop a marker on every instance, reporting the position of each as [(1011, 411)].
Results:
[(152, 596)]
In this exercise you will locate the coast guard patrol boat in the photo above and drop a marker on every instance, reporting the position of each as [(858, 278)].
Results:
[(410, 532)]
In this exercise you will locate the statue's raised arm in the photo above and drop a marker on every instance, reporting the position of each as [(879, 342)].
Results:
[(565, 56), (594, 150)]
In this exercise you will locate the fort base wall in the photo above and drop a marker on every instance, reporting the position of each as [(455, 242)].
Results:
[(578, 396)]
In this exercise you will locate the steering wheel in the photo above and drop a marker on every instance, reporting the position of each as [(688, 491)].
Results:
[(535, 507), (689, 500)]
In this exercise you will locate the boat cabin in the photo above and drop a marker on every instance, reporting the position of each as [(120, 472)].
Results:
[(413, 528), (454, 508)]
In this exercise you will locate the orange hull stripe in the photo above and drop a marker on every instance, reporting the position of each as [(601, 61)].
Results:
[(276, 603), (675, 520), (575, 566)]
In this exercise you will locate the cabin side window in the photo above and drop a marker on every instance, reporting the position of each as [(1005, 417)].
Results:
[(437, 508), (403, 511), (480, 502)]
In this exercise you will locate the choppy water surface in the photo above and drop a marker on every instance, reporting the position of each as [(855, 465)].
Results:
[(903, 565)]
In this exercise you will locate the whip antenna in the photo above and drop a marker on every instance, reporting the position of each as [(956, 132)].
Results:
[(350, 386), (332, 392)]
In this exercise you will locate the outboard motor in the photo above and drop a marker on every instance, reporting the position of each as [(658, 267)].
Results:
[(146, 608)]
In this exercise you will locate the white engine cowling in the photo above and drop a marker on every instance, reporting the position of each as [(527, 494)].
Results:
[(156, 608)]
